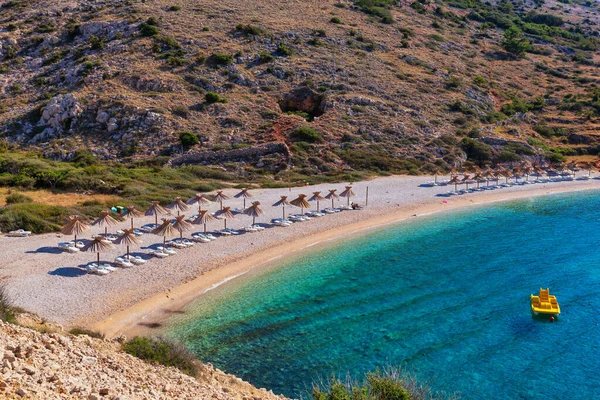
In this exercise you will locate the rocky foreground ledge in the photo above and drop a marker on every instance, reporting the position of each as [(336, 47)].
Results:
[(36, 365)]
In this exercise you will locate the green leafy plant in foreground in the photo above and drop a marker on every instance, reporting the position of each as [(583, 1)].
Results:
[(160, 351), (387, 384)]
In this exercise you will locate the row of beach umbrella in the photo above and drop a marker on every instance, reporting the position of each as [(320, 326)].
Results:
[(76, 227)]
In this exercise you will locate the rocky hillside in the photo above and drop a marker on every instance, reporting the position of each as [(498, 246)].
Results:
[(382, 85), (53, 366)]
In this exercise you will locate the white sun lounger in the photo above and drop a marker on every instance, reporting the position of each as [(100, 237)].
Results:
[(68, 247), (123, 262), (19, 233)]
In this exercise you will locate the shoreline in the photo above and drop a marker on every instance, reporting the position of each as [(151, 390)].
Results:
[(144, 316)]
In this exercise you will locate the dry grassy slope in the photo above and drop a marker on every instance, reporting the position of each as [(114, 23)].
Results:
[(394, 107)]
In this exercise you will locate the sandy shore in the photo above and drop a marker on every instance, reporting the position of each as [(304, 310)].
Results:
[(133, 301)]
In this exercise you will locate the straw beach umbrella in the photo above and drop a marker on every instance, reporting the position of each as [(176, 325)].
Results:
[(98, 244), (225, 214), (105, 220), (220, 196), (156, 209), (455, 180), (132, 213), (348, 193), (181, 225), (165, 230), (282, 203), (316, 197), (128, 239), (199, 199), (332, 195), (245, 194), (203, 218), (74, 227), (301, 202), (254, 211), (178, 205)]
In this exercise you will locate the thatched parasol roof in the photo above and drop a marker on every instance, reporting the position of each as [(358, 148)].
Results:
[(74, 226), (244, 193), (181, 224), (156, 209), (98, 244), (105, 220), (282, 202), (254, 210), (128, 238), (220, 196), (178, 205), (203, 218), (133, 212), (199, 199), (316, 197), (332, 194), (225, 213), (165, 229), (300, 201), (348, 192)]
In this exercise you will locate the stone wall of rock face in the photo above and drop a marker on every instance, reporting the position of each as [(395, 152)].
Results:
[(248, 154), (53, 366)]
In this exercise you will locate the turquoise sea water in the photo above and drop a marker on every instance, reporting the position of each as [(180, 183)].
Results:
[(446, 297)]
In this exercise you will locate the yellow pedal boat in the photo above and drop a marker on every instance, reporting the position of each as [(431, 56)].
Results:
[(544, 303)]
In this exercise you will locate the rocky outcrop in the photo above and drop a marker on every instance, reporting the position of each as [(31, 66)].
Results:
[(302, 99), (53, 366), (248, 154), (108, 30), (59, 115)]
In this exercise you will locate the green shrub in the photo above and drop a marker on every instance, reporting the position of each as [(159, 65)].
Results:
[(147, 29), (221, 59), (284, 50), (97, 43), (81, 331), (251, 30), (18, 198), (306, 134), (212, 97), (335, 20), (159, 351), (265, 57), (188, 139), (476, 151), (480, 81), (390, 384), (7, 309), (174, 8)]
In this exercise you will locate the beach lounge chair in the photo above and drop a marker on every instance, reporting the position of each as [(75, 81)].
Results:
[(148, 228), (258, 227), (223, 232), (68, 247), (249, 229), (167, 250), (177, 244), (137, 260), (138, 232), (93, 269), (121, 262), (19, 233), (159, 254), (328, 210), (198, 237), (232, 231)]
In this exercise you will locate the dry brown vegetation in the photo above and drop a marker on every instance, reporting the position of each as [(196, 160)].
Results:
[(389, 90)]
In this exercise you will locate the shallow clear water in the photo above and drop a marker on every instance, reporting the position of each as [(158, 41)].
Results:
[(446, 297)]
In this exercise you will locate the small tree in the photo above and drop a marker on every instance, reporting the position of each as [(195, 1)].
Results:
[(188, 139), (514, 42)]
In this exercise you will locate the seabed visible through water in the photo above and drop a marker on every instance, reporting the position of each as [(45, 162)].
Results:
[(446, 297)]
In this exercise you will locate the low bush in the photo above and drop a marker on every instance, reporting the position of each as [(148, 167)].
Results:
[(221, 59), (7, 310), (160, 351), (18, 198), (212, 97), (306, 134), (81, 331), (188, 139), (390, 384)]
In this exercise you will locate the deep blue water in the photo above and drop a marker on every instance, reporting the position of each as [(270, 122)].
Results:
[(446, 297)]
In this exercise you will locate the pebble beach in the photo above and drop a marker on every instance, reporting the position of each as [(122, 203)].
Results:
[(54, 285)]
